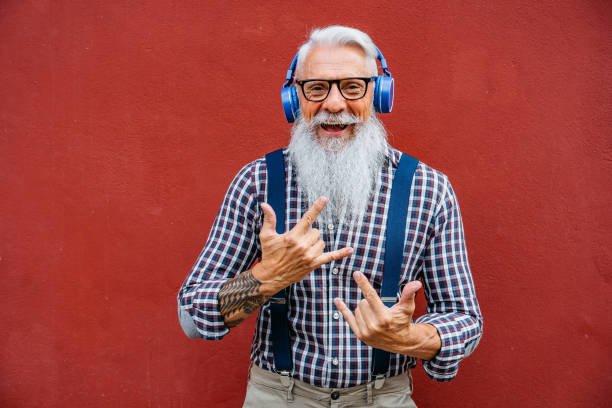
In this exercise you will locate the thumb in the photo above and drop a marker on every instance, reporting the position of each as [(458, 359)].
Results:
[(269, 222), (409, 291)]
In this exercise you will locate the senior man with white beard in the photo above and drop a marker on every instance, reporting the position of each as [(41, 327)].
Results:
[(330, 260)]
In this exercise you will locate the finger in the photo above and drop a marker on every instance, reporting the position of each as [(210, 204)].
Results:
[(311, 215), (312, 236), (409, 291), (363, 327), (328, 257), (349, 317), (316, 250), (366, 315), (269, 222), (369, 292)]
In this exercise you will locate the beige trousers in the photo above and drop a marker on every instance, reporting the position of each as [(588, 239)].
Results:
[(266, 390)]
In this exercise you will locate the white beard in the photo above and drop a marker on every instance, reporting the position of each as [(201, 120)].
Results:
[(346, 172)]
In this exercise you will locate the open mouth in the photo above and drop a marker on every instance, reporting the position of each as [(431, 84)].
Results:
[(333, 127)]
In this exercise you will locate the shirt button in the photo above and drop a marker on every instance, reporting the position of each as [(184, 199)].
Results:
[(335, 271), (335, 361), (336, 315), (330, 226), (335, 395)]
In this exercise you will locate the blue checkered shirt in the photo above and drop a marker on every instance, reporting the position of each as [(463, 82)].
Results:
[(325, 351)]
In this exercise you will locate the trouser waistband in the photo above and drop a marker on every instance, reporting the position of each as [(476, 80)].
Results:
[(363, 392)]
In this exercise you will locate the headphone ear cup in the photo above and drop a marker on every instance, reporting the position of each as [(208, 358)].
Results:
[(383, 94), (291, 103)]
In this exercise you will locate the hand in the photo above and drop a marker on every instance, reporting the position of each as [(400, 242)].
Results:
[(379, 326), (289, 257)]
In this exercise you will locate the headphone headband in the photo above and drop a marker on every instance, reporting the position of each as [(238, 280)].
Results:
[(383, 62), (289, 76)]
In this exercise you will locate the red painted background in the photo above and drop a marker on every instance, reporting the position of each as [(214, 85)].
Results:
[(122, 123)]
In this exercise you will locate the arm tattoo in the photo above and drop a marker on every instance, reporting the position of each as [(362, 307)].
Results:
[(239, 297)]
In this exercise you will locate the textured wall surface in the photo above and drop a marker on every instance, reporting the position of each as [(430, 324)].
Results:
[(122, 123)]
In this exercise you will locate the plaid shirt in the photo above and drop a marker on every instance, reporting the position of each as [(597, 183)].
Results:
[(325, 351)]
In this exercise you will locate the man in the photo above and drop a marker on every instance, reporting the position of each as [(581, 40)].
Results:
[(339, 176)]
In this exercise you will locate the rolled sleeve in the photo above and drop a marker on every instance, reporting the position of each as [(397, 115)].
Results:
[(204, 310), (230, 249), (459, 336), (452, 307)]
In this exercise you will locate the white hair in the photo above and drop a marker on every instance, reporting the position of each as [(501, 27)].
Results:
[(339, 36), (347, 173)]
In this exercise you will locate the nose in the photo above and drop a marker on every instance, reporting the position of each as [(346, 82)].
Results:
[(334, 102)]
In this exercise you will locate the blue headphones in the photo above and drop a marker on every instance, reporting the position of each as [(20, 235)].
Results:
[(383, 91)]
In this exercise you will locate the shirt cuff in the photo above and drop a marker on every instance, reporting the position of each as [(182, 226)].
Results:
[(459, 335), (205, 310)]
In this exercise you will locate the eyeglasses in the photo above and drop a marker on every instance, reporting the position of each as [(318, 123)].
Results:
[(316, 90)]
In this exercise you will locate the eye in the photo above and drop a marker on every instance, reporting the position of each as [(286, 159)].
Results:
[(353, 84), (316, 86), (353, 88)]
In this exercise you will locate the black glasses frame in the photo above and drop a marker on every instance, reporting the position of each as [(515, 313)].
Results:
[(331, 82)]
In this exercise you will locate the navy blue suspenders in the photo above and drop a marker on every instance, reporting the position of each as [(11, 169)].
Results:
[(394, 254), (394, 245), (281, 347)]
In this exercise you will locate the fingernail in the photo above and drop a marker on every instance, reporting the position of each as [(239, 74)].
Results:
[(358, 275)]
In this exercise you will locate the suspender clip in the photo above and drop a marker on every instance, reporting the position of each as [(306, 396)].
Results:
[(285, 378), (379, 380)]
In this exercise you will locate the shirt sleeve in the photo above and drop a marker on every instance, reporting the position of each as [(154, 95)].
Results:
[(231, 248), (452, 307)]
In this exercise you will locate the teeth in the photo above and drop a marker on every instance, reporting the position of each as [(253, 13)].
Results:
[(326, 125)]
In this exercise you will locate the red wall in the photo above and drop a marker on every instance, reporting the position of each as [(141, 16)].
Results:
[(122, 123)]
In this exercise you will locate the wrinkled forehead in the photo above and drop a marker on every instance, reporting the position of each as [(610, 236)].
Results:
[(332, 62)]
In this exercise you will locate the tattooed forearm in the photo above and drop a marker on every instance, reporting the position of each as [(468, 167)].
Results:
[(240, 297)]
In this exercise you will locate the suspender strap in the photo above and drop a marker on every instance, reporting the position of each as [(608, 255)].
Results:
[(394, 245), (275, 165)]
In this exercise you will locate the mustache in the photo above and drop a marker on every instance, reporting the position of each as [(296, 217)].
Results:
[(343, 119)]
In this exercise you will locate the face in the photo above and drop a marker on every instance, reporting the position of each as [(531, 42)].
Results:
[(334, 63)]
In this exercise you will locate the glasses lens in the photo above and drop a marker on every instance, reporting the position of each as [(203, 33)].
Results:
[(353, 88), (316, 90)]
